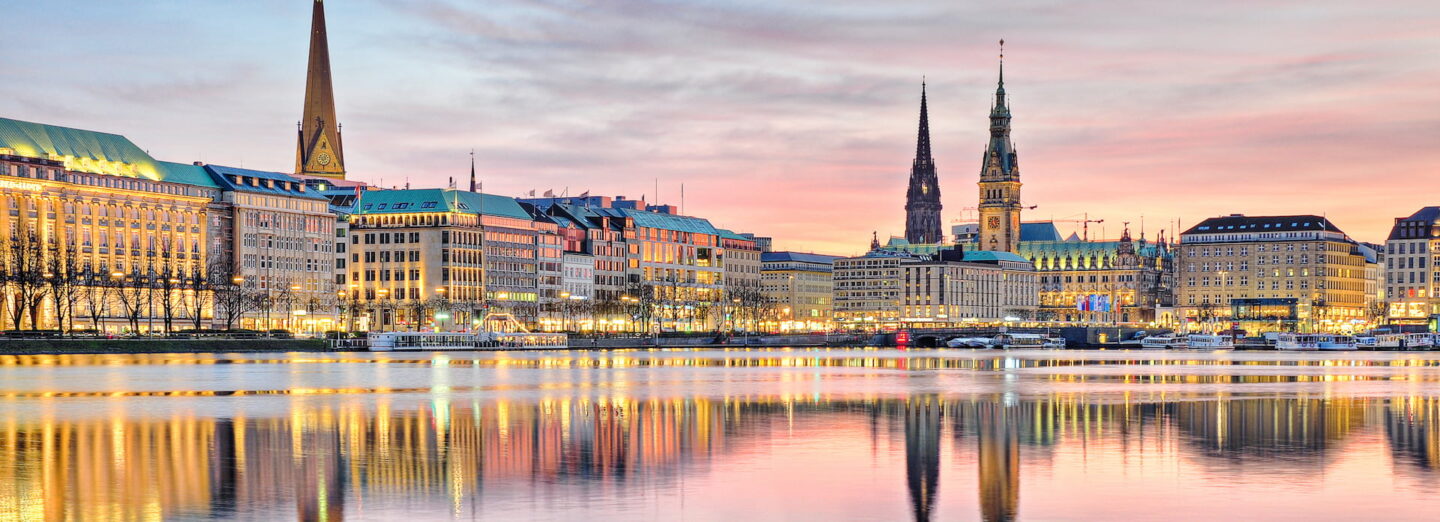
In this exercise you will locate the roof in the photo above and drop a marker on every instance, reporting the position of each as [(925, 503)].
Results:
[(800, 257), (222, 174), (991, 255), (671, 222), (1236, 223), (730, 234), (187, 173), (90, 151), (1039, 231), (438, 200), (1420, 224)]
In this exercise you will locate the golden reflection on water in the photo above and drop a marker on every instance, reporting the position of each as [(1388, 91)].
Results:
[(432, 451)]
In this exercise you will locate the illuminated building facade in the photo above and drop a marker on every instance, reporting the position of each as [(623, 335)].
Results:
[(1411, 281), (949, 288), (742, 262), (1000, 179), (802, 286), (1133, 278), (1272, 273), (99, 235), (281, 247), (413, 252)]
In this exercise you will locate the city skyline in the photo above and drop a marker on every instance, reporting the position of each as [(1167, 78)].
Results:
[(817, 103)]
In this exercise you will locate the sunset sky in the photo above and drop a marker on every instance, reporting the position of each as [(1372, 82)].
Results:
[(791, 119)]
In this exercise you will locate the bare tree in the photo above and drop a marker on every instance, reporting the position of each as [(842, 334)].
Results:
[(167, 280), (196, 284), (131, 292), (62, 276), (232, 299), (24, 271)]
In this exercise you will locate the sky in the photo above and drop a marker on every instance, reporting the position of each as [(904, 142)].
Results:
[(792, 119)]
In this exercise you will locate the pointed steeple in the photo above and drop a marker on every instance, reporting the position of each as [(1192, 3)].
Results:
[(319, 152), (922, 199), (922, 141), (472, 170), (1000, 88)]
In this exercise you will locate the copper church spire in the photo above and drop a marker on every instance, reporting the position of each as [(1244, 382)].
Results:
[(318, 152)]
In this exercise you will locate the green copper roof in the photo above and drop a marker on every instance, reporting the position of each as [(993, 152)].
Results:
[(671, 222), (186, 173), (94, 152), (438, 200), (990, 255)]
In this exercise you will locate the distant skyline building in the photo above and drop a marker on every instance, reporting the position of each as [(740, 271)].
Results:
[(1000, 178), (922, 199), (318, 149)]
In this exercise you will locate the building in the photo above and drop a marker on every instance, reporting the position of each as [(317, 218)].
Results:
[(922, 197), (801, 285), (413, 252), (951, 288), (1000, 179), (318, 151), (280, 245), (1121, 281), (1411, 281), (1269, 273), (128, 232), (742, 262)]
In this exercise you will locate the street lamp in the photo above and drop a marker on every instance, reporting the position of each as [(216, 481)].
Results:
[(439, 318)]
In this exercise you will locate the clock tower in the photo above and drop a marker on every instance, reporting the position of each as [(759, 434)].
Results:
[(318, 152), (922, 200), (1000, 178)]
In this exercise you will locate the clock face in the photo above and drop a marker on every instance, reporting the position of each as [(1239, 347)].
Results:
[(323, 158), (924, 189), (994, 221)]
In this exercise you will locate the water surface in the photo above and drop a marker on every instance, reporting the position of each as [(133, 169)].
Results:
[(749, 434)]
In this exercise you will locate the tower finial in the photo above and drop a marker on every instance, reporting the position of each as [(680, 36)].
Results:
[(472, 170)]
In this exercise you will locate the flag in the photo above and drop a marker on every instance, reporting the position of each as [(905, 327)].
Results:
[(532, 193), (548, 193), (585, 194)]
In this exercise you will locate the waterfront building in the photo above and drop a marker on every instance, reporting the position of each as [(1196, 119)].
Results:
[(318, 151), (1411, 281), (922, 198), (1119, 281), (1269, 273), (413, 252), (1000, 206), (801, 285), (279, 244), (741, 262), (99, 234), (950, 288)]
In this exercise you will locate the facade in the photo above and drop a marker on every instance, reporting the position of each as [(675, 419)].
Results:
[(1271, 273), (1123, 281), (318, 151), (886, 289), (280, 246), (1000, 180), (922, 198), (742, 262), (1411, 281), (802, 286), (413, 252)]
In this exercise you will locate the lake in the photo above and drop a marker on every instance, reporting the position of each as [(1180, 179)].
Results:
[(744, 434)]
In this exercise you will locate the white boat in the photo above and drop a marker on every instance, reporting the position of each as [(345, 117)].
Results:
[(968, 342), (1160, 342), (1209, 342), (1419, 341), (437, 341), (1366, 342), (1019, 340), (1055, 342), (1390, 341), (1343, 343), (1311, 342)]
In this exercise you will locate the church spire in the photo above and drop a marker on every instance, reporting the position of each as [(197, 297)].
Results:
[(319, 152), (472, 170), (922, 200), (922, 141)]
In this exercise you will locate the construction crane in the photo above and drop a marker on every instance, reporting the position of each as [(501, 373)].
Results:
[(1084, 224), (968, 210)]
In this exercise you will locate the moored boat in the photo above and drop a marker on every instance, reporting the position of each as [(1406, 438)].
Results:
[(440, 341), (1209, 342), (1160, 342)]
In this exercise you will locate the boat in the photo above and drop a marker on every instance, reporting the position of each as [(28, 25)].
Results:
[(1366, 342), (968, 342), (439, 341), (1342, 343), (1390, 341), (1160, 342), (1419, 341), (1291, 342), (1055, 342), (1020, 340), (1209, 342)]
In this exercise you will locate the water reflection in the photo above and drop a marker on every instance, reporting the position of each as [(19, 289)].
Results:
[(1020, 449)]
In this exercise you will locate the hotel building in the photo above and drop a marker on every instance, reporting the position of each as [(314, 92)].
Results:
[(801, 285), (1270, 273), (1411, 281), (886, 289)]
